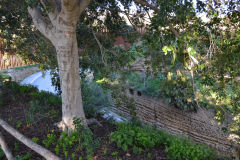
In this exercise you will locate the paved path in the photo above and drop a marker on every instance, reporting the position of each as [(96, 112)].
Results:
[(42, 82)]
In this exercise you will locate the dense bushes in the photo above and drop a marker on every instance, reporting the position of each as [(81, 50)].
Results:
[(132, 137)]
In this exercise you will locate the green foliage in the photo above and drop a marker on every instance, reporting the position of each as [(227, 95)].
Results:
[(81, 139), (2, 155), (94, 98), (175, 88), (29, 118), (19, 124), (35, 139), (51, 138), (105, 152), (28, 156), (4, 76), (46, 98), (115, 153), (183, 149), (132, 136)]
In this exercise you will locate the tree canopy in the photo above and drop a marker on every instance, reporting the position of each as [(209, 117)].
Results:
[(199, 57)]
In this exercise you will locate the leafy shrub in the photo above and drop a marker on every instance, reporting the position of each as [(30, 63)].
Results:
[(128, 135), (81, 139), (175, 88), (94, 97), (136, 137), (27, 89), (184, 149), (46, 98), (23, 157), (51, 138)]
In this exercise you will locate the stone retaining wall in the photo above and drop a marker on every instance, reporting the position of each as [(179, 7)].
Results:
[(199, 126)]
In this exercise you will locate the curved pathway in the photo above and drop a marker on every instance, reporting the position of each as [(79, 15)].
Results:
[(42, 82)]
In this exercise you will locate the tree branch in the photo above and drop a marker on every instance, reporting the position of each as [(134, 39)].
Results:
[(101, 48), (69, 7), (40, 23), (5, 148), (37, 148), (83, 5), (144, 3), (53, 12)]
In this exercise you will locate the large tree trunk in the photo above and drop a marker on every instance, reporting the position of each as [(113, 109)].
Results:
[(68, 63), (61, 31)]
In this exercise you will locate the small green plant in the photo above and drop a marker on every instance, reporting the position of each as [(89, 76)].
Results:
[(73, 155), (10, 119), (35, 139), (29, 117), (105, 152), (115, 153), (19, 124), (16, 147), (57, 149), (149, 155), (128, 135), (81, 139), (51, 138), (27, 156), (34, 106)]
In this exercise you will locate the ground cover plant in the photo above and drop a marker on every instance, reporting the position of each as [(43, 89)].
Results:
[(33, 113), (135, 137)]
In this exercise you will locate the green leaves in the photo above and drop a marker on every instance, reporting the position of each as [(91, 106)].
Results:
[(145, 137), (134, 137)]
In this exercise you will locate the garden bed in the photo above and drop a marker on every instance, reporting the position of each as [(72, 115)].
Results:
[(34, 113)]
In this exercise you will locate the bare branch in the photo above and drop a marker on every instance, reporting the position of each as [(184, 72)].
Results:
[(5, 148), (100, 47), (37, 148), (40, 23), (130, 21)]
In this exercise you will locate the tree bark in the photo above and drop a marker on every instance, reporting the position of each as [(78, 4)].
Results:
[(68, 63), (5, 148), (61, 31), (37, 148)]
